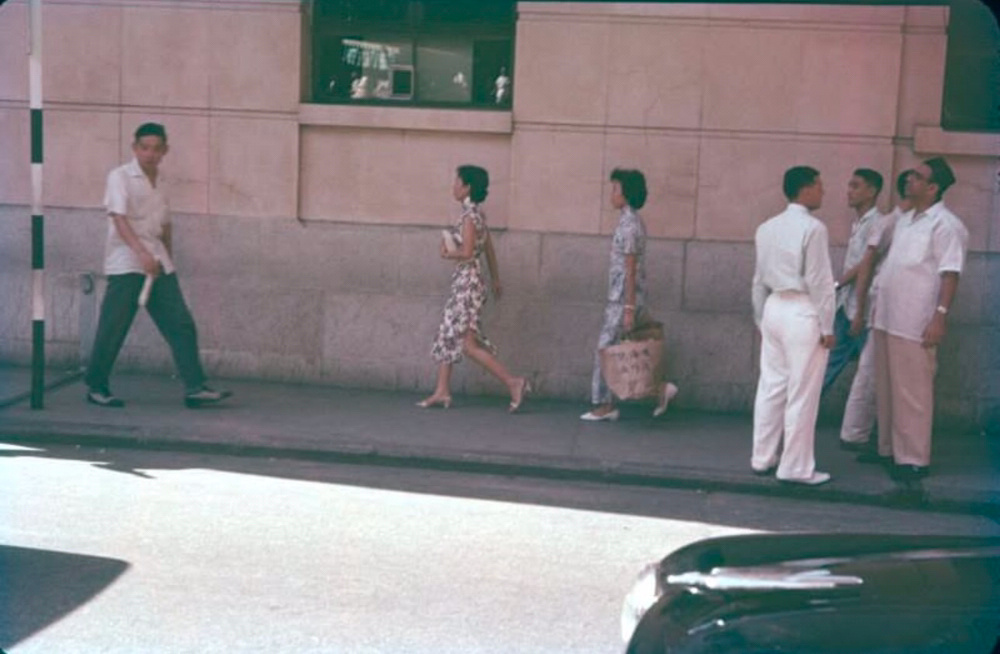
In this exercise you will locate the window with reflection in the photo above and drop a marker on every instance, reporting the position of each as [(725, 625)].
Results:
[(413, 52)]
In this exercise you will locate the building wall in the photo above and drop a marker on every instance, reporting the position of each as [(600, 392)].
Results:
[(306, 235)]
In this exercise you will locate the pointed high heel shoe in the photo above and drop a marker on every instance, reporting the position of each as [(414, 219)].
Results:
[(432, 401), (516, 404), (668, 393), (610, 416)]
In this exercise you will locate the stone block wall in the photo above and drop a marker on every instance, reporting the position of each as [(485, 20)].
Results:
[(306, 235)]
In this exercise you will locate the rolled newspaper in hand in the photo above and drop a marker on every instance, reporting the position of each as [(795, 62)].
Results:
[(451, 241), (147, 286)]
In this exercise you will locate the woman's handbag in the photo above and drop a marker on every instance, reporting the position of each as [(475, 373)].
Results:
[(633, 368)]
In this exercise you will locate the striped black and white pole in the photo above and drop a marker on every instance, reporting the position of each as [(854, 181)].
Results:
[(37, 220)]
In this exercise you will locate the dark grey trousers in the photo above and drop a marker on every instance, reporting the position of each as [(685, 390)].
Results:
[(170, 314)]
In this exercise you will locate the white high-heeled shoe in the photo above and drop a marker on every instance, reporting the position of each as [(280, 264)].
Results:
[(669, 392), (610, 416), (432, 401), (525, 388)]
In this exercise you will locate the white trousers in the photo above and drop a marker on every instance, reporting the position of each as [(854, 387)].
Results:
[(792, 363), (860, 410)]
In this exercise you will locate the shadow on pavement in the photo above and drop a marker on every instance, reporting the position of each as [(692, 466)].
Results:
[(783, 514), (40, 587)]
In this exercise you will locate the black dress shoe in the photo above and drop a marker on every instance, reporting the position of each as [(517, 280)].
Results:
[(848, 446), (908, 472), (103, 397), (766, 472)]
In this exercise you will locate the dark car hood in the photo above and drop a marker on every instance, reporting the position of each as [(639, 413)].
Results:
[(769, 549), (831, 593)]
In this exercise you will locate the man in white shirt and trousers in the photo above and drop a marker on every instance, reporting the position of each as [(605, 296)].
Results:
[(860, 408), (793, 304), (917, 285), (862, 192)]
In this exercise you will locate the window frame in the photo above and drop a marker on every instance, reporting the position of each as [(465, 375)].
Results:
[(326, 36)]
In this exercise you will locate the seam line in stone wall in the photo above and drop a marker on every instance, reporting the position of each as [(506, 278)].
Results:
[(213, 112), (739, 23), (702, 94), (973, 254), (733, 23), (604, 143), (521, 125), (698, 132), (273, 6)]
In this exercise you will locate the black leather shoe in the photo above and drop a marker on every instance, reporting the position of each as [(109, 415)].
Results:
[(104, 398), (766, 472), (909, 472), (862, 446), (204, 396)]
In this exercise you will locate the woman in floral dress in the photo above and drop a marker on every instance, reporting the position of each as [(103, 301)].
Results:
[(461, 331), (626, 302)]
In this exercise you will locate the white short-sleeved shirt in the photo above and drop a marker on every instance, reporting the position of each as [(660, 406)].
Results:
[(129, 193), (923, 246), (793, 255), (860, 229), (880, 238)]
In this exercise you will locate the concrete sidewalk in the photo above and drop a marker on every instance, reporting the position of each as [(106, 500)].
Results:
[(681, 449)]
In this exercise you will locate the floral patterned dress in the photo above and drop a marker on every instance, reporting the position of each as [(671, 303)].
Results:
[(468, 295), (629, 238)]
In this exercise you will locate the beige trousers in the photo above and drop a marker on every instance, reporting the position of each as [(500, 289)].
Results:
[(904, 374), (792, 363)]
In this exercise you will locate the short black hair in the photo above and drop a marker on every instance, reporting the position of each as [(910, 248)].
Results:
[(901, 182), (797, 178), (941, 175), (872, 177), (477, 179), (633, 184), (151, 129)]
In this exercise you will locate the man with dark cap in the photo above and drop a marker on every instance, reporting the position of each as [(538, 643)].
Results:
[(917, 286)]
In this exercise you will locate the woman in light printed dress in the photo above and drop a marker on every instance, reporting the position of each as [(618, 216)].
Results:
[(626, 305), (461, 331)]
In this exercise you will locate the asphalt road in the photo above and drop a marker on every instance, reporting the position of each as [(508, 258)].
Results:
[(142, 551)]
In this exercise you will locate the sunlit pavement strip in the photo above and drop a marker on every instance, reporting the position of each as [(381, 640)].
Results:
[(222, 561)]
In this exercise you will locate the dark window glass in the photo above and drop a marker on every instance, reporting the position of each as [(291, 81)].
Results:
[(972, 71), (460, 52), (431, 52)]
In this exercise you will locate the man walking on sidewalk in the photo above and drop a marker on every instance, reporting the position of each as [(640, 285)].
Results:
[(917, 286), (793, 300), (862, 192), (138, 248)]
